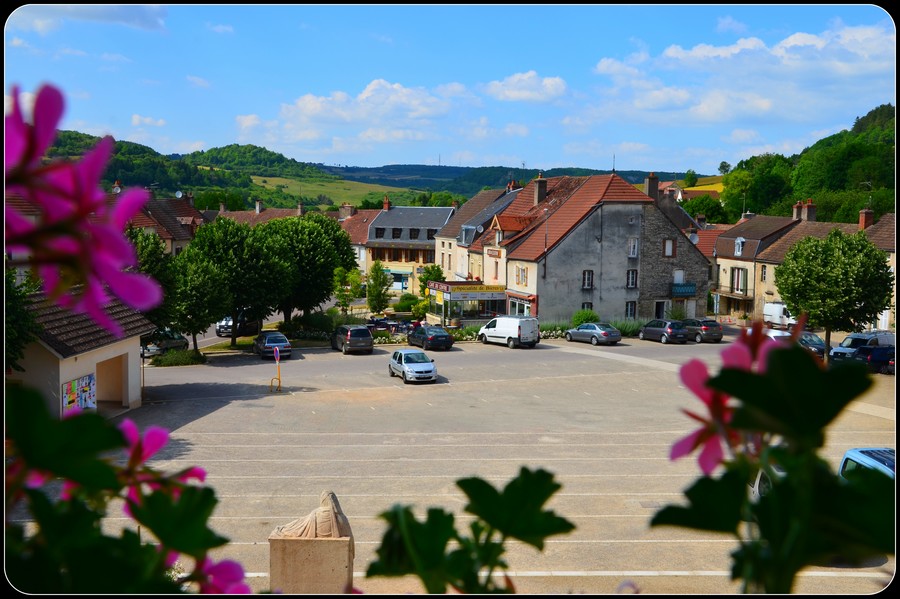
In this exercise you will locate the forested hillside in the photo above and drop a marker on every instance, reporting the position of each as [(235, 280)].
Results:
[(842, 173)]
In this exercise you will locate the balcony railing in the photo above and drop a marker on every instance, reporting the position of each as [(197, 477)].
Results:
[(684, 289)]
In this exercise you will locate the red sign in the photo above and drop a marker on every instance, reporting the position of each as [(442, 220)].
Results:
[(277, 356)]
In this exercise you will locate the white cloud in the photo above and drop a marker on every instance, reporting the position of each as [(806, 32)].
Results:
[(220, 28), (107, 57), (527, 87), (730, 25), (138, 120), (516, 130), (708, 52), (742, 136), (245, 122), (46, 18), (197, 81), (615, 68)]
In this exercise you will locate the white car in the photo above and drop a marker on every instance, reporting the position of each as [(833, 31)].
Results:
[(412, 365)]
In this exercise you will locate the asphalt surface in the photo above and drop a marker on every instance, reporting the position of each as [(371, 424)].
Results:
[(272, 437)]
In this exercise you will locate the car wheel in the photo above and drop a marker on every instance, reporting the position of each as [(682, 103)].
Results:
[(568, 337), (698, 338), (344, 349), (405, 380), (663, 339), (717, 340), (424, 345), (641, 335), (613, 342), (511, 343), (390, 372), (594, 341)]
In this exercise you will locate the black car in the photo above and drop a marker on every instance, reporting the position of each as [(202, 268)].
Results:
[(664, 331), (353, 338), (879, 358), (703, 329), (430, 337)]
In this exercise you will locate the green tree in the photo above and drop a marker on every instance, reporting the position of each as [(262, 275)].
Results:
[(724, 168), (153, 260), (737, 185), (842, 281), (200, 297), (711, 208), (378, 283), (347, 286), (430, 272), (690, 178), (21, 328)]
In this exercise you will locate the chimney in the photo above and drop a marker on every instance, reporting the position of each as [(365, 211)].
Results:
[(221, 206), (190, 198), (651, 185), (866, 218), (258, 206), (387, 203), (701, 221), (299, 208), (540, 188), (454, 204), (796, 213), (808, 212), (346, 211)]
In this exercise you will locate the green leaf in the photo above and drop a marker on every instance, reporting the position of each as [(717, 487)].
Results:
[(412, 547), (795, 397), (713, 504), (181, 524), (517, 511)]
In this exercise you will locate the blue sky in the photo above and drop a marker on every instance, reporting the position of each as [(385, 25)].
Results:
[(635, 87)]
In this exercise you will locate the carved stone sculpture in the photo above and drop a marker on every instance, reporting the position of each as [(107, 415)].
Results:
[(324, 522)]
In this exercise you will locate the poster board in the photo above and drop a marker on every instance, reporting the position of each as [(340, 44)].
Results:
[(80, 393)]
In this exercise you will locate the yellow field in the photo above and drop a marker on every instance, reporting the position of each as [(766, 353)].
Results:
[(350, 192)]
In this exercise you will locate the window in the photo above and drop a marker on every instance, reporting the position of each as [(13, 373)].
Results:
[(632, 247), (396, 255), (631, 278), (432, 233), (739, 280), (521, 275), (668, 247), (587, 305), (739, 246), (414, 234), (587, 279), (762, 273), (395, 232), (379, 232), (630, 309)]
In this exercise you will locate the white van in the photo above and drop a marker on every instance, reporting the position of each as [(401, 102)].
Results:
[(511, 331), (776, 314)]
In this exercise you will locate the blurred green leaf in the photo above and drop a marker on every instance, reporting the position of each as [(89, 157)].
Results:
[(181, 524), (713, 504)]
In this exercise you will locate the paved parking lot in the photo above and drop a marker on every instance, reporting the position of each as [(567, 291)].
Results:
[(602, 419)]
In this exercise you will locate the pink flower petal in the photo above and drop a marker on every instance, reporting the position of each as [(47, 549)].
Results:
[(130, 430), (694, 376), (155, 437), (48, 110), (686, 445), (710, 456)]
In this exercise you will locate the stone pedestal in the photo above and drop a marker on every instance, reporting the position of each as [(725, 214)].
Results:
[(310, 566)]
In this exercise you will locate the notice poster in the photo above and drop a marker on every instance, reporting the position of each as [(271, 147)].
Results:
[(80, 393)]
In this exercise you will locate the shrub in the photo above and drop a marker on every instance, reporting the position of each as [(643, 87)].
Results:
[(583, 316), (406, 303), (628, 327), (178, 357)]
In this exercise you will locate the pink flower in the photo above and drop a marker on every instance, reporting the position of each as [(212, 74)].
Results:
[(226, 577), (77, 244), (155, 437), (714, 428)]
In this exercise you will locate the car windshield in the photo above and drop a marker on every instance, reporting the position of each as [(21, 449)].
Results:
[(276, 339), (812, 339), (434, 331), (853, 342), (418, 358)]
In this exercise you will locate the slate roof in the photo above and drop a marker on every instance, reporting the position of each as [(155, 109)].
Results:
[(774, 254), (468, 234), (883, 234), (406, 218), (69, 334), (470, 208)]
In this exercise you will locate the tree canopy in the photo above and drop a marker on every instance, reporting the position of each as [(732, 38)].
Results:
[(843, 282)]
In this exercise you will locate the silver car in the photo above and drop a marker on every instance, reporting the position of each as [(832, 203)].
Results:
[(597, 333), (267, 342), (412, 365)]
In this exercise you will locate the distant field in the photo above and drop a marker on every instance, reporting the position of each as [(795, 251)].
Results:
[(340, 192)]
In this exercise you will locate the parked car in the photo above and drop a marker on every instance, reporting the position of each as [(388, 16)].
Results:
[(511, 331), (878, 358), (353, 338), (808, 341), (882, 459), (266, 342), (412, 365), (851, 342), (430, 337), (664, 331), (245, 326), (160, 341), (597, 333), (703, 329)]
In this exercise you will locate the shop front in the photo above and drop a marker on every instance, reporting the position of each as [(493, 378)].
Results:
[(462, 303)]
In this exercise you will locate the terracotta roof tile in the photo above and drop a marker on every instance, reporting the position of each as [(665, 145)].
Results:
[(357, 225), (883, 234)]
